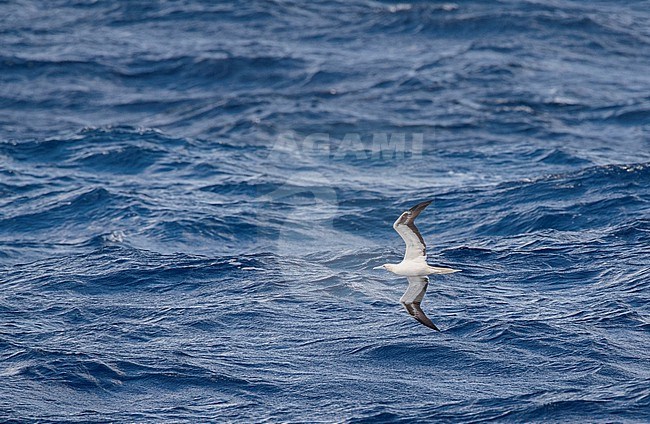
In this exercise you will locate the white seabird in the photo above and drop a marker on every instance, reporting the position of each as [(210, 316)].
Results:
[(414, 265)]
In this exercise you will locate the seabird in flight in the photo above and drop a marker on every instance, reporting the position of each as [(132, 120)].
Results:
[(414, 265)]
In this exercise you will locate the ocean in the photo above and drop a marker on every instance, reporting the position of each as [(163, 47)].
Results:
[(193, 196)]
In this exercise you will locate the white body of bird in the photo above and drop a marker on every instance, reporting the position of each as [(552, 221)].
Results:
[(415, 268)]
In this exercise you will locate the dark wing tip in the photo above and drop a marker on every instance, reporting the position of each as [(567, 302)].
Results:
[(409, 216), (431, 325), (420, 206), (416, 312), (415, 210)]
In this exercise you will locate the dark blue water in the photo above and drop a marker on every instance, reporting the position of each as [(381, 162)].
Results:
[(192, 197)]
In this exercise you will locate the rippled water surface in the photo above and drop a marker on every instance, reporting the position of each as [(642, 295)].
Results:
[(193, 194)]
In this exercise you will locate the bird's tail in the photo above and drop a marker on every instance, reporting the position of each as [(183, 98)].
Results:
[(440, 270)]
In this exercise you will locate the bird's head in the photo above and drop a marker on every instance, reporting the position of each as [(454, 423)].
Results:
[(387, 267)]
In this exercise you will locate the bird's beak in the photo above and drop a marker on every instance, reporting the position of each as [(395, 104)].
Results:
[(379, 267)]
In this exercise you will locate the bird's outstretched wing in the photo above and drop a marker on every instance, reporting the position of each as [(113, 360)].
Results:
[(412, 298), (405, 227)]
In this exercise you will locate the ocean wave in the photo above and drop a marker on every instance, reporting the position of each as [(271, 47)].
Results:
[(174, 246)]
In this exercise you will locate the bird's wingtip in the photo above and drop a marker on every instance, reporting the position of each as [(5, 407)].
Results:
[(430, 325), (421, 205)]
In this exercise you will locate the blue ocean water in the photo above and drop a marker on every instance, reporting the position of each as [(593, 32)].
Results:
[(193, 194)]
